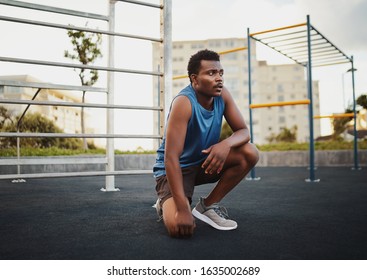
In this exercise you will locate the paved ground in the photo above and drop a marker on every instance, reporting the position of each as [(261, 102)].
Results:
[(280, 217)]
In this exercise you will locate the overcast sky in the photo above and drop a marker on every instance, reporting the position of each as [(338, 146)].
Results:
[(343, 22)]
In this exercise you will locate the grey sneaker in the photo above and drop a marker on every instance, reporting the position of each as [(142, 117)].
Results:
[(214, 215), (159, 210)]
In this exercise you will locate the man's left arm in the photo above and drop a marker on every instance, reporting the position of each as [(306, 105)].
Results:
[(217, 154)]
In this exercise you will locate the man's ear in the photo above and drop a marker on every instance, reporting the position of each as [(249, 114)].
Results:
[(193, 78)]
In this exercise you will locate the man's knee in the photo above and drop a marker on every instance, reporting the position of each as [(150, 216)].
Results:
[(250, 154)]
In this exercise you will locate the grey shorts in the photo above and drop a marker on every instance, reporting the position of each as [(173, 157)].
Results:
[(192, 176)]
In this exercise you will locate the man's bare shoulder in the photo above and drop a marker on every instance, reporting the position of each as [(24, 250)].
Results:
[(181, 106), (226, 95)]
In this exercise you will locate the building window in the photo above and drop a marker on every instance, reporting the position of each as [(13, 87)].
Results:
[(280, 88), (197, 46), (14, 89)]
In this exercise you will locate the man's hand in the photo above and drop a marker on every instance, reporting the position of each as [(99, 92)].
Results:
[(217, 155), (185, 224)]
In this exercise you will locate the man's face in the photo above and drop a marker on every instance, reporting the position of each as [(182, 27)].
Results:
[(209, 80)]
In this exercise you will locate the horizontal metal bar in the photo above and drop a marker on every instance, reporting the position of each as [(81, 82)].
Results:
[(319, 55), (282, 35), (279, 51), (336, 60), (287, 39), (142, 3), (327, 40), (69, 135), (300, 42), (53, 9), (329, 59), (73, 174), (346, 115), (315, 53), (277, 29), (329, 64), (70, 27), (303, 47), (282, 103), (233, 50), (78, 104), (80, 66), (180, 77), (220, 53), (49, 86), (53, 160)]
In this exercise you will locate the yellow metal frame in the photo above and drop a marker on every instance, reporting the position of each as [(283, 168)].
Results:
[(179, 77), (282, 103), (346, 115), (278, 29), (233, 50), (222, 52)]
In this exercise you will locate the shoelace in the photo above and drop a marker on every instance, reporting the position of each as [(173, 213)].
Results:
[(221, 211)]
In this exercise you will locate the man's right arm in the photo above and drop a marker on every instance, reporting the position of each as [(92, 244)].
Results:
[(179, 117)]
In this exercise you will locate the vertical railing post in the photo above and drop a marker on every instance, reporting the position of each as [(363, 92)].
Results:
[(310, 106), (110, 151), (252, 172), (165, 94), (18, 139), (355, 145)]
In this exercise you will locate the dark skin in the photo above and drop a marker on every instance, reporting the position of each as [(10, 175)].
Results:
[(222, 157)]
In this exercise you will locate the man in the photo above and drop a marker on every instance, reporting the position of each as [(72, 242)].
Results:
[(191, 154)]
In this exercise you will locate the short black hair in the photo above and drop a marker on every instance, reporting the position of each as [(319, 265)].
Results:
[(195, 60)]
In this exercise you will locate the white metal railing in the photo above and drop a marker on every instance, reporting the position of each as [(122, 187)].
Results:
[(165, 94)]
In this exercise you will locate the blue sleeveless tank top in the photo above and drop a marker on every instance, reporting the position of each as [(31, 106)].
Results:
[(203, 131)]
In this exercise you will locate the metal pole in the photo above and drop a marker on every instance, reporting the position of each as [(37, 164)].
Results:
[(18, 153), (356, 167), (310, 106), (159, 112), (165, 61), (110, 151), (252, 172), (18, 139)]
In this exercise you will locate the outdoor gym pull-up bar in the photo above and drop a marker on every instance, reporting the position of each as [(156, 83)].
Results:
[(299, 42), (346, 115), (282, 103)]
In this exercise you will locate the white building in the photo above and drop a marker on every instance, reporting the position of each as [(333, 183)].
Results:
[(66, 118), (270, 83)]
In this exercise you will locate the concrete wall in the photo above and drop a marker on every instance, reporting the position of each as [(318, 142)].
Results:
[(145, 162), (322, 158)]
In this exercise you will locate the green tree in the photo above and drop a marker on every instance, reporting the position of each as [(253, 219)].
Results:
[(86, 49), (362, 101), (34, 122), (5, 116), (340, 125)]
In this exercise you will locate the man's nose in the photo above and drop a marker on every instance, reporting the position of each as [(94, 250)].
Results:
[(218, 77)]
